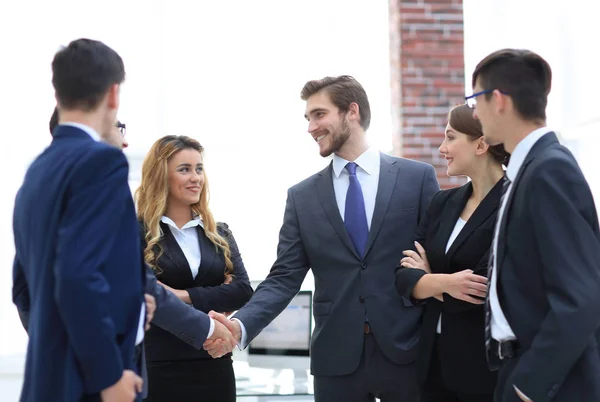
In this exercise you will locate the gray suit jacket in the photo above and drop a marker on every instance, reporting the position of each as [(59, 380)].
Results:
[(347, 287)]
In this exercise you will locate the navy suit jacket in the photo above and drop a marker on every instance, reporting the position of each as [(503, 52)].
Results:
[(548, 284), (78, 273)]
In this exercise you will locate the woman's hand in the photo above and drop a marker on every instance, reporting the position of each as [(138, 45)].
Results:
[(416, 260), (182, 295)]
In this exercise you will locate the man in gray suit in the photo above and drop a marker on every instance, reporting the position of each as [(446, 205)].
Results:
[(349, 223)]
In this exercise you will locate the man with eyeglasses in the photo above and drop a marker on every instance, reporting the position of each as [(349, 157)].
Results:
[(543, 307)]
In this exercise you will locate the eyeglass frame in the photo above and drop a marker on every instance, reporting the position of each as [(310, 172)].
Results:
[(122, 128), (476, 94)]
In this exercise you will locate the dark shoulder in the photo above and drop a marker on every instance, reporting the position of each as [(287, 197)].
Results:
[(307, 183), (223, 230), (441, 197), (405, 163)]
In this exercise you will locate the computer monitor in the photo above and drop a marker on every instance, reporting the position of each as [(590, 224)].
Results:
[(285, 342)]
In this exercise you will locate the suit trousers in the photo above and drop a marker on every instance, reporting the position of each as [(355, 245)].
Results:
[(375, 377), (200, 380), (437, 390)]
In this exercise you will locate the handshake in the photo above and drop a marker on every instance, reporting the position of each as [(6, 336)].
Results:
[(226, 335)]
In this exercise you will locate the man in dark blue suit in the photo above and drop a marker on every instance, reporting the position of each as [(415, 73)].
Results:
[(77, 244), (543, 307)]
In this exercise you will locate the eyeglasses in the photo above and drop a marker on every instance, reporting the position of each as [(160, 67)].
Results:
[(121, 127), (471, 100)]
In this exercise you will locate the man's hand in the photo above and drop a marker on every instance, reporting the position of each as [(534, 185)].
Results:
[(226, 336), (124, 390), (150, 309)]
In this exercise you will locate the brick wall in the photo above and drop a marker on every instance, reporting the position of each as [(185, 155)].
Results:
[(427, 77)]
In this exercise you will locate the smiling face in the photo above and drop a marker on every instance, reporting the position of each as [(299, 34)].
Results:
[(460, 151), (328, 127), (186, 177)]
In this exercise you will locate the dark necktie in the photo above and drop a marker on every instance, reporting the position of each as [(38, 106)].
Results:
[(355, 217), (488, 309)]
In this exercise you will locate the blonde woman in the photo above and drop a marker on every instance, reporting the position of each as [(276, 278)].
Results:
[(195, 258)]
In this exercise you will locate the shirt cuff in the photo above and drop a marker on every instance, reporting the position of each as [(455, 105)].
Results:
[(520, 394), (242, 345), (212, 328)]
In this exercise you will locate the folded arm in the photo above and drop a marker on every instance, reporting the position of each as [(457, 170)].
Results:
[(226, 297)]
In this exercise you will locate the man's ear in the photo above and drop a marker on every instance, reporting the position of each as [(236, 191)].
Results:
[(112, 97), (353, 113)]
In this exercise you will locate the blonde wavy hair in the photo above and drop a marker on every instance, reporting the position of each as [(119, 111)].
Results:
[(151, 199)]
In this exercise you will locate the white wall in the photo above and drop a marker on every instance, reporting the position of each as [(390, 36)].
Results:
[(228, 73)]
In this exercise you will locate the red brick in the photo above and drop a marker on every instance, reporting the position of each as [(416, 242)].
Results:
[(428, 71)]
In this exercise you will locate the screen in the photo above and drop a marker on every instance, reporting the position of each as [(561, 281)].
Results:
[(289, 333)]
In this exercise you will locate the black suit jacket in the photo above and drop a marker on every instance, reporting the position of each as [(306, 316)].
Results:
[(462, 349), (206, 290), (548, 268)]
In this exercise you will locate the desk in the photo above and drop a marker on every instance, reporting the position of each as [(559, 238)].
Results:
[(258, 384)]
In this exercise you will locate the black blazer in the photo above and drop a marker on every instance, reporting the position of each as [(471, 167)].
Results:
[(548, 275), (462, 342), (206, 291)]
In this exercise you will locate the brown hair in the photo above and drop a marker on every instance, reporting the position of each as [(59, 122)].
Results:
[(521, 74), (151, 198), (461, 119), (343, 91)]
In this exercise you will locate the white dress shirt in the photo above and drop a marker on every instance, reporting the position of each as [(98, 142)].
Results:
[(139, 337), (460, 224), (91, 132), (500, 328), (187, 239), (367, 173)]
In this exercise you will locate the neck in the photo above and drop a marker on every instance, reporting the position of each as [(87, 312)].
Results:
[(354, 146), (90, 119), (179, 214), (485, 180), (520, 131)]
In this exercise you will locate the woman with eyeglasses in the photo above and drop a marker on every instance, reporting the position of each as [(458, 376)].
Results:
[(449, 269), (195, 258)]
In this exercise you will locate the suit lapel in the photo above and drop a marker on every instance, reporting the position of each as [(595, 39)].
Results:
[(387, 179), (537, 148), (207, 253), (324, 184), (452, 210), (174, 254), (487, 207)]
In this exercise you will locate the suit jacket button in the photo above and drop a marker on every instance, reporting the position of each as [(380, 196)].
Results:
[(363, 265), (361, 299)]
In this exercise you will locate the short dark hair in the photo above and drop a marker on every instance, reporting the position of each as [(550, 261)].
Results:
[(343, 91), (54, 120), (83, 72), (522, 74), (461, 119)]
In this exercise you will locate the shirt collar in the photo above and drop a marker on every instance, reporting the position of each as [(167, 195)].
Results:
[(197, 221), (91, 132), (368, 161), (522, 150)]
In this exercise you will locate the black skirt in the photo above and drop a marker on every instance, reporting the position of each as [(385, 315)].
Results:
[(204, 380)]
